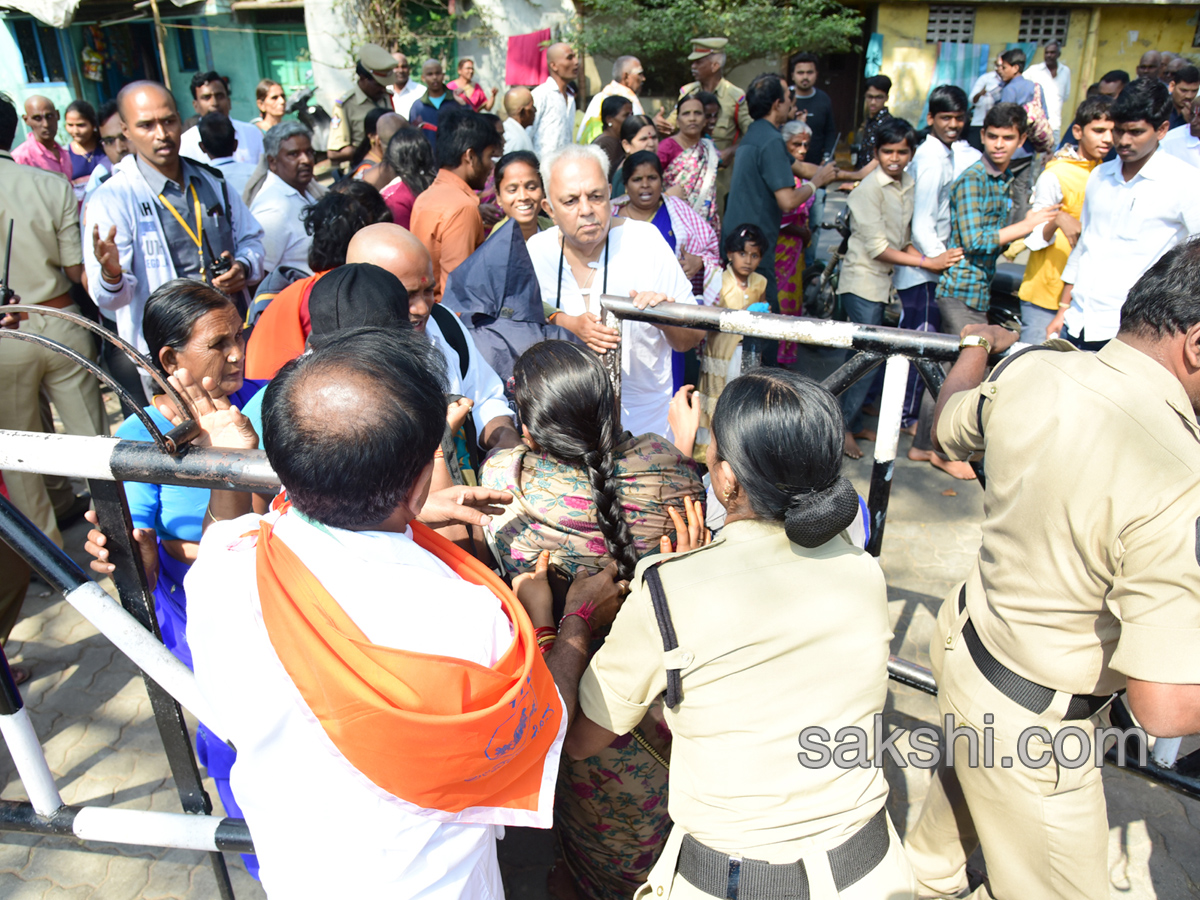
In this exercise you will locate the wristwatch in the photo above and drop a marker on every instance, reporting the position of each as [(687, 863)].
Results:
[(976, 340)]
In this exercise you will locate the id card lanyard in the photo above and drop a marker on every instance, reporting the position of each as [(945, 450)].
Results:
[(198, 235), (562, 250)]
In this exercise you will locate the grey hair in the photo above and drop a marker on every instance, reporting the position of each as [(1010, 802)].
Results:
[(432, 62), (622, 65), (721, 53), (277, 134), (572, 153), (794, 127)]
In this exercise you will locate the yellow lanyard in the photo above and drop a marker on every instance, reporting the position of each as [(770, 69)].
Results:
[(198, 234)]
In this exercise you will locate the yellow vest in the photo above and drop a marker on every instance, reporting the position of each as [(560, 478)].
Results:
[(1042, 284)]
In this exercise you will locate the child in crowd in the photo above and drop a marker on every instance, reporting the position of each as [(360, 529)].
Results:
[(881, 212), (1061, 184), (741, 288)]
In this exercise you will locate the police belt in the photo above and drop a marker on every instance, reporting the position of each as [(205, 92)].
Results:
[(1029, 694), (734, 878)]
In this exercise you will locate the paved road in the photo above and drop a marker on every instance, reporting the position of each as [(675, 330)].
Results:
[(92, 715)]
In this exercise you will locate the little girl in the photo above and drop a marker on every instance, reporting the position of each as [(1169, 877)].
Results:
[(741, 288)]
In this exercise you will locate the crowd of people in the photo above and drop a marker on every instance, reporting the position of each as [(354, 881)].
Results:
[(495, 590)]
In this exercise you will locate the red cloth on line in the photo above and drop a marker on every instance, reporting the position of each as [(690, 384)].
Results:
[(527, 59)]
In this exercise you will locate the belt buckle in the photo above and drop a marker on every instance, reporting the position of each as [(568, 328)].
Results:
[(735, 876)]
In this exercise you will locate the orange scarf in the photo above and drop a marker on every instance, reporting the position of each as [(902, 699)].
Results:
[(441, 733)]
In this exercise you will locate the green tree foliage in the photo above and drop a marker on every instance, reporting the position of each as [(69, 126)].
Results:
[(421, 28), (658, 31)]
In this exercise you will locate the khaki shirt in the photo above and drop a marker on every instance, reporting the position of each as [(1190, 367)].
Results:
[(348, 125), (1090, 566), (733, 120), (773, 638), (881, 210), (41, 207)]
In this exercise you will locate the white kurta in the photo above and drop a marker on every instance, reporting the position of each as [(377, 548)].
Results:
[(638, 260), (321, 828)]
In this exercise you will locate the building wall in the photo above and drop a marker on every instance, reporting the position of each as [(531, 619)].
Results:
[(233, 54), (1125, 31)]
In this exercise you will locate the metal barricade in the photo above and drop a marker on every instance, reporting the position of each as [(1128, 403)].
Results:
[(131, 625)]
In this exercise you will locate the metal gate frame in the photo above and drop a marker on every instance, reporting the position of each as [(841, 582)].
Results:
[(107, 462)]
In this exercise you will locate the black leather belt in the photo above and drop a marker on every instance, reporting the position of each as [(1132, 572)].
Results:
[(733, 878), (1029, 694)]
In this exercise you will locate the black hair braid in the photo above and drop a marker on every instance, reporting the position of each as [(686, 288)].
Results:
[(610, 515)]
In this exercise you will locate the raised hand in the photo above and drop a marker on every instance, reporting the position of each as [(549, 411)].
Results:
[(107, 254), (221, 423)]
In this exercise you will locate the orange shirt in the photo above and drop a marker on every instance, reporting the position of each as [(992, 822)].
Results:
[(445, 218)]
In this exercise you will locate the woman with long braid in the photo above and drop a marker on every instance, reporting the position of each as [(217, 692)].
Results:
[(586, 494)]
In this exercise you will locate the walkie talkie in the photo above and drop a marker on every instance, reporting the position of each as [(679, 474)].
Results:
[(7, 293)]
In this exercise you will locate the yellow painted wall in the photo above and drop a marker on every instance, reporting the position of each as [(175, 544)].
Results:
[(911, 63)]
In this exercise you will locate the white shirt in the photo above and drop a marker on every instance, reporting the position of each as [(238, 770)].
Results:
[(989, 83), (249, 148), (403, 99), (481, 383), (934, 167), (1179, 142), (1127, 227), (516, 136), (1056, 88), (279, 208), (555, 118), (638, 260), (400, 596), (236, 173)]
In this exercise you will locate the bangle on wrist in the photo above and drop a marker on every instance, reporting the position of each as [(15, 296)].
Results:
[(208, 514)]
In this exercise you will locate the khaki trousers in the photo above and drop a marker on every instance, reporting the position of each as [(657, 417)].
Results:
[(1044, 831), (27, 369), (892, 879)]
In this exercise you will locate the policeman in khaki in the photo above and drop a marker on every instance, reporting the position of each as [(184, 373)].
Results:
[(1084, 585), (376, 72), (708, 67), (758, 620)]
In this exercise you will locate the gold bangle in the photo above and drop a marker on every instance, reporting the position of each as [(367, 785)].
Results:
[(208, 514)]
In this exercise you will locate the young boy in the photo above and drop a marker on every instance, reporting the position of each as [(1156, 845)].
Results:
[(881, 211), (1062, 184), (940, 159), (979, 203), (1135, 209)]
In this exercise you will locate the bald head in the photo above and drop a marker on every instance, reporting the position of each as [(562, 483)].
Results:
[(141, 92), (1148, 65), (562, 61), (518, 103), (387, 126), (41, 118), (396, 249), (151, 123)]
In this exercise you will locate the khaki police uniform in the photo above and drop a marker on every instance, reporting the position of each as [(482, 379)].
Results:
[(1089, 573), (45, 240), (766, 632), (348, 126)]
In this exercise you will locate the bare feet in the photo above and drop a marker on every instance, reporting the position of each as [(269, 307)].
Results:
[(960, 470), (910, 430), (865, 435), (920, 455), (851, 448)]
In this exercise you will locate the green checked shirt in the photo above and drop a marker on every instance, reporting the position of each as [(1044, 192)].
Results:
[(979, 205)]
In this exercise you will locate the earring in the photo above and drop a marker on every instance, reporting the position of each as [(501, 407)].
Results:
[(728, 494)]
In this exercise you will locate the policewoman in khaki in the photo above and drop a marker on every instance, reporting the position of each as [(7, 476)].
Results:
[(778, 625), (1087, 582)]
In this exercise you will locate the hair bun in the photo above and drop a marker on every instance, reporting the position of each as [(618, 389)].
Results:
[(812, 519)]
